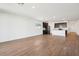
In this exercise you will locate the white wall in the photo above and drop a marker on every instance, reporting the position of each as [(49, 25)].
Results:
[(73, 26), (14, 27)]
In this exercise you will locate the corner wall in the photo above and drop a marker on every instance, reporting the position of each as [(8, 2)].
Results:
[(73, 26)]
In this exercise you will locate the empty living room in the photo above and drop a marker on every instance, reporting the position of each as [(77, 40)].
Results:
[(39, 29)]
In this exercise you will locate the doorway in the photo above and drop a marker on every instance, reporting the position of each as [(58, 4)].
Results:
[(46, 28)]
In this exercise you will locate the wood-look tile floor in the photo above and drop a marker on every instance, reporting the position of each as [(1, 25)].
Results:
[(42, 45)]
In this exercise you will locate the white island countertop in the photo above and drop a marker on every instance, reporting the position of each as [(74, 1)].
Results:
[(58, 32)]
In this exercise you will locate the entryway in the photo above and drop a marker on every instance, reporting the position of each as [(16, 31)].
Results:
[(46, 28)]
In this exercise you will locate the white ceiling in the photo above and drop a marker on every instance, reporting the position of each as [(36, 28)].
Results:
[(44, 11)]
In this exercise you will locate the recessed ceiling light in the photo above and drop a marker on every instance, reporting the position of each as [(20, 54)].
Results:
[(54, 17), (63, 19), (33, 7)]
